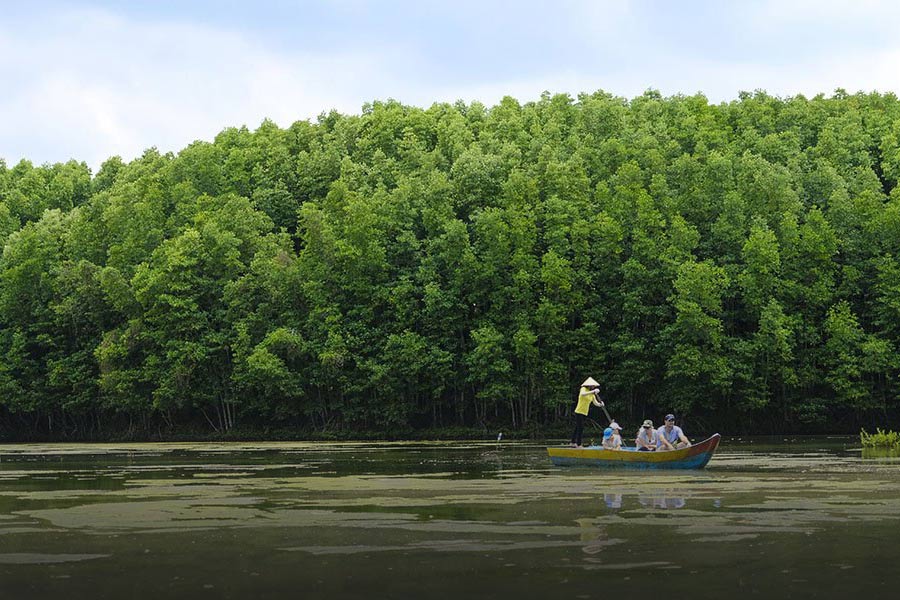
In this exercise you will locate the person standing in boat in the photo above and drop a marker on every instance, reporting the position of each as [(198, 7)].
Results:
[(589, 394), (671, 437), (647, 438)]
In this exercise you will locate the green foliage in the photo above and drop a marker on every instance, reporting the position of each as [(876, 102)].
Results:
[(466, 266), (879, 439), (8, 223)]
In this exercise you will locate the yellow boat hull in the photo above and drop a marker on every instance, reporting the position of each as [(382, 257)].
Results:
[(693, 457)]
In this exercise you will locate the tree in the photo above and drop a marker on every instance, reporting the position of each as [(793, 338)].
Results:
[(698, 370)]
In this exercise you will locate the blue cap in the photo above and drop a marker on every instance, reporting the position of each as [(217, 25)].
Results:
[(670, 417), (607, 433)]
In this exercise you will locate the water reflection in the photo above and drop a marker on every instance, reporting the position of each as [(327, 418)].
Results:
[(881, 453), (593, 535), (664, 502)]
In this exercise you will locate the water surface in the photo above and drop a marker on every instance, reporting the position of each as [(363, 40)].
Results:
[(774, 518)]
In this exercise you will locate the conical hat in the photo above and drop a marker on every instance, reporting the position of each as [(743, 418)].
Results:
[(590, 381)]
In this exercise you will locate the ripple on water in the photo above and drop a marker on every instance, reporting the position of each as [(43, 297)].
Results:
[(25, 558)]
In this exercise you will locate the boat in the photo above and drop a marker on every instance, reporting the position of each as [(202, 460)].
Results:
[(692, 457)]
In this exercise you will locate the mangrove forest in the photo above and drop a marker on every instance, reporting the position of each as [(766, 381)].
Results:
[(465, 266)]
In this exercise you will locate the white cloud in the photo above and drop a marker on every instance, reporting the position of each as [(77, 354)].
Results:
[(718, 80), (527, 89), (721, 81), (603, 19), (91, 85), (840, 12)]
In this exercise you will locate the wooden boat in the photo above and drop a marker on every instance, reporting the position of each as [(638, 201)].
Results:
[(693, 457)]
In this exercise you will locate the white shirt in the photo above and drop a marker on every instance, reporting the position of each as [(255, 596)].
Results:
[(671, 436)]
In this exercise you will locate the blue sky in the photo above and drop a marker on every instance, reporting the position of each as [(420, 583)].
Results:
[(93, 79)]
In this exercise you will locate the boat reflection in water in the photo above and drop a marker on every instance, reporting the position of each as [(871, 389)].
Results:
[(665, 502), (593, 532), (613, 500), (594, 536)]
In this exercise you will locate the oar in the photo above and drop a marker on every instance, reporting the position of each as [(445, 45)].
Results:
[(597, 425), (608, 418)]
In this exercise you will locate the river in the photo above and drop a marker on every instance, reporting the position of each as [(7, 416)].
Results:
[(798, 518)]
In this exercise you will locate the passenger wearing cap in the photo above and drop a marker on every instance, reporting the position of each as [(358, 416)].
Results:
[(647, 438), (589, 394), (671, 437), (613, 441)]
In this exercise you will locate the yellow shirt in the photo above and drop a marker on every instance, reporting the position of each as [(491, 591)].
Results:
[(585, 396)]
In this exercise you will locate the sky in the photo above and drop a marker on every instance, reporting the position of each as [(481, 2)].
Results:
[(91, 79)]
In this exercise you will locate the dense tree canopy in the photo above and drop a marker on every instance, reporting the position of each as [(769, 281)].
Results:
[(466, 266)]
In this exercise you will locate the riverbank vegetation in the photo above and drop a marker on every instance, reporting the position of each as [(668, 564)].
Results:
[(880, 439), (465, 266)]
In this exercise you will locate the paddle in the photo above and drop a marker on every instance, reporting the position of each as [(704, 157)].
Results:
[(595, 424), (608, 418)]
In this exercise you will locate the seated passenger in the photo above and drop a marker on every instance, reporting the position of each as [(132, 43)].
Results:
[(647, 439), (671, 437), (617, 434), (611, 441)]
